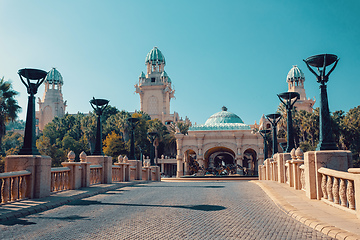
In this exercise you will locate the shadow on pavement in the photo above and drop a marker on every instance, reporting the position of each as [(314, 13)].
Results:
[(191, 207), (16, 221)]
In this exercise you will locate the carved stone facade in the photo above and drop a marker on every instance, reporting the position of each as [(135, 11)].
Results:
[(223, 140)]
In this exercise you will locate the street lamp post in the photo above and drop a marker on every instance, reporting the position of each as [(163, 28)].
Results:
[(274, 118), (152, 136), (320, 62), (29, 147), (132, 122), (289, 99), (264, 133), (98, 105)]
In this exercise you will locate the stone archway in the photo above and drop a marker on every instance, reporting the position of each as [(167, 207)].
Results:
[(220, 160), (250, 163), (191, 164)]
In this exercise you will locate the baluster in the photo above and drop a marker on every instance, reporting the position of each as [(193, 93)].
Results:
[(335, 190), (21, 187), (57, 181), (14, 188), (323, 186), (302, 179), (63, 181), (68, 180), (52, 182), (92, 176), (342, 192), (61, 184), (350, 194), (5, 190), (329, 188)]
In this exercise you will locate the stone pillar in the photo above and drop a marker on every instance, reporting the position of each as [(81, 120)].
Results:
[(155, 173), (268, 169), (75, 172), (106, 163), (40, 168), (146, 173), (180, 171), (281, 159), (313, 160), (135, 166), (85, 170)]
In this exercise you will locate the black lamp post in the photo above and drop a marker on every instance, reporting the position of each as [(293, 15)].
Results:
[(326, 140), (152, 136), (132, 122), (274, 118), (289, 99), (29, 147), (98, 105), (264, 133)]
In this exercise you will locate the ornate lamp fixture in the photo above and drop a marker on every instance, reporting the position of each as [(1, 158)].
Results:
[(289, 99), (274, 118), (152, 136), (132, 122), (320, 62), (265, 133), (29, 147), (98, 105)]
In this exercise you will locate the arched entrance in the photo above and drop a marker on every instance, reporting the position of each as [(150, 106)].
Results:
[(250, 162), (191, 165), (220, 161)]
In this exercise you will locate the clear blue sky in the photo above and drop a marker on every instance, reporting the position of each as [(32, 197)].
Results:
[(232, 53)]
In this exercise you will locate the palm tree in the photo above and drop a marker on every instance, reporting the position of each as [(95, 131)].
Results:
[(8, 105)]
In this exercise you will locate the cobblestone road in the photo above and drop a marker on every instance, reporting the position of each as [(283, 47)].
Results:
[(165, 210)]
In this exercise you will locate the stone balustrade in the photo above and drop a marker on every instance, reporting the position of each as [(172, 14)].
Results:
[(95, 174), (28, 176), (338, 188), (320, 174), (14, 186), (60, 179)]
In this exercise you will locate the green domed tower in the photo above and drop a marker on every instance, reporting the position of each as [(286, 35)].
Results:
[(155, 89)]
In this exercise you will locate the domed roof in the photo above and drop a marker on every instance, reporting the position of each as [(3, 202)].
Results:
[(295, 73), (155, 55), (223, 120), (223, 117), (54, 76)]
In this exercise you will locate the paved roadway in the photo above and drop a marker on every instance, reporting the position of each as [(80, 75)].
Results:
[(165, 210)]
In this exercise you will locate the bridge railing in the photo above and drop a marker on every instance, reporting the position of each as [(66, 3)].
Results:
[(14, 186), (338, 188), (60, 179), (317, 177), (96, 172), (32, 176)]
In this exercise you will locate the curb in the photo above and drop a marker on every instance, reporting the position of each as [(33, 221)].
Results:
[(309, 221), (54, 204)]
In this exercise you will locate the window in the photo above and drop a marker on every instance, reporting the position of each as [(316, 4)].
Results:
[(152, 79)]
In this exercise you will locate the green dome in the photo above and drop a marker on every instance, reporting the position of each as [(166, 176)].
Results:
[(155, 55), (223, 120), (223, 117)]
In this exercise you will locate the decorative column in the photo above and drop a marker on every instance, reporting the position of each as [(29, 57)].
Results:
[(99, 106), (274, 119), (326, 140), (289, 99), (265, 133), (29, 147)]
